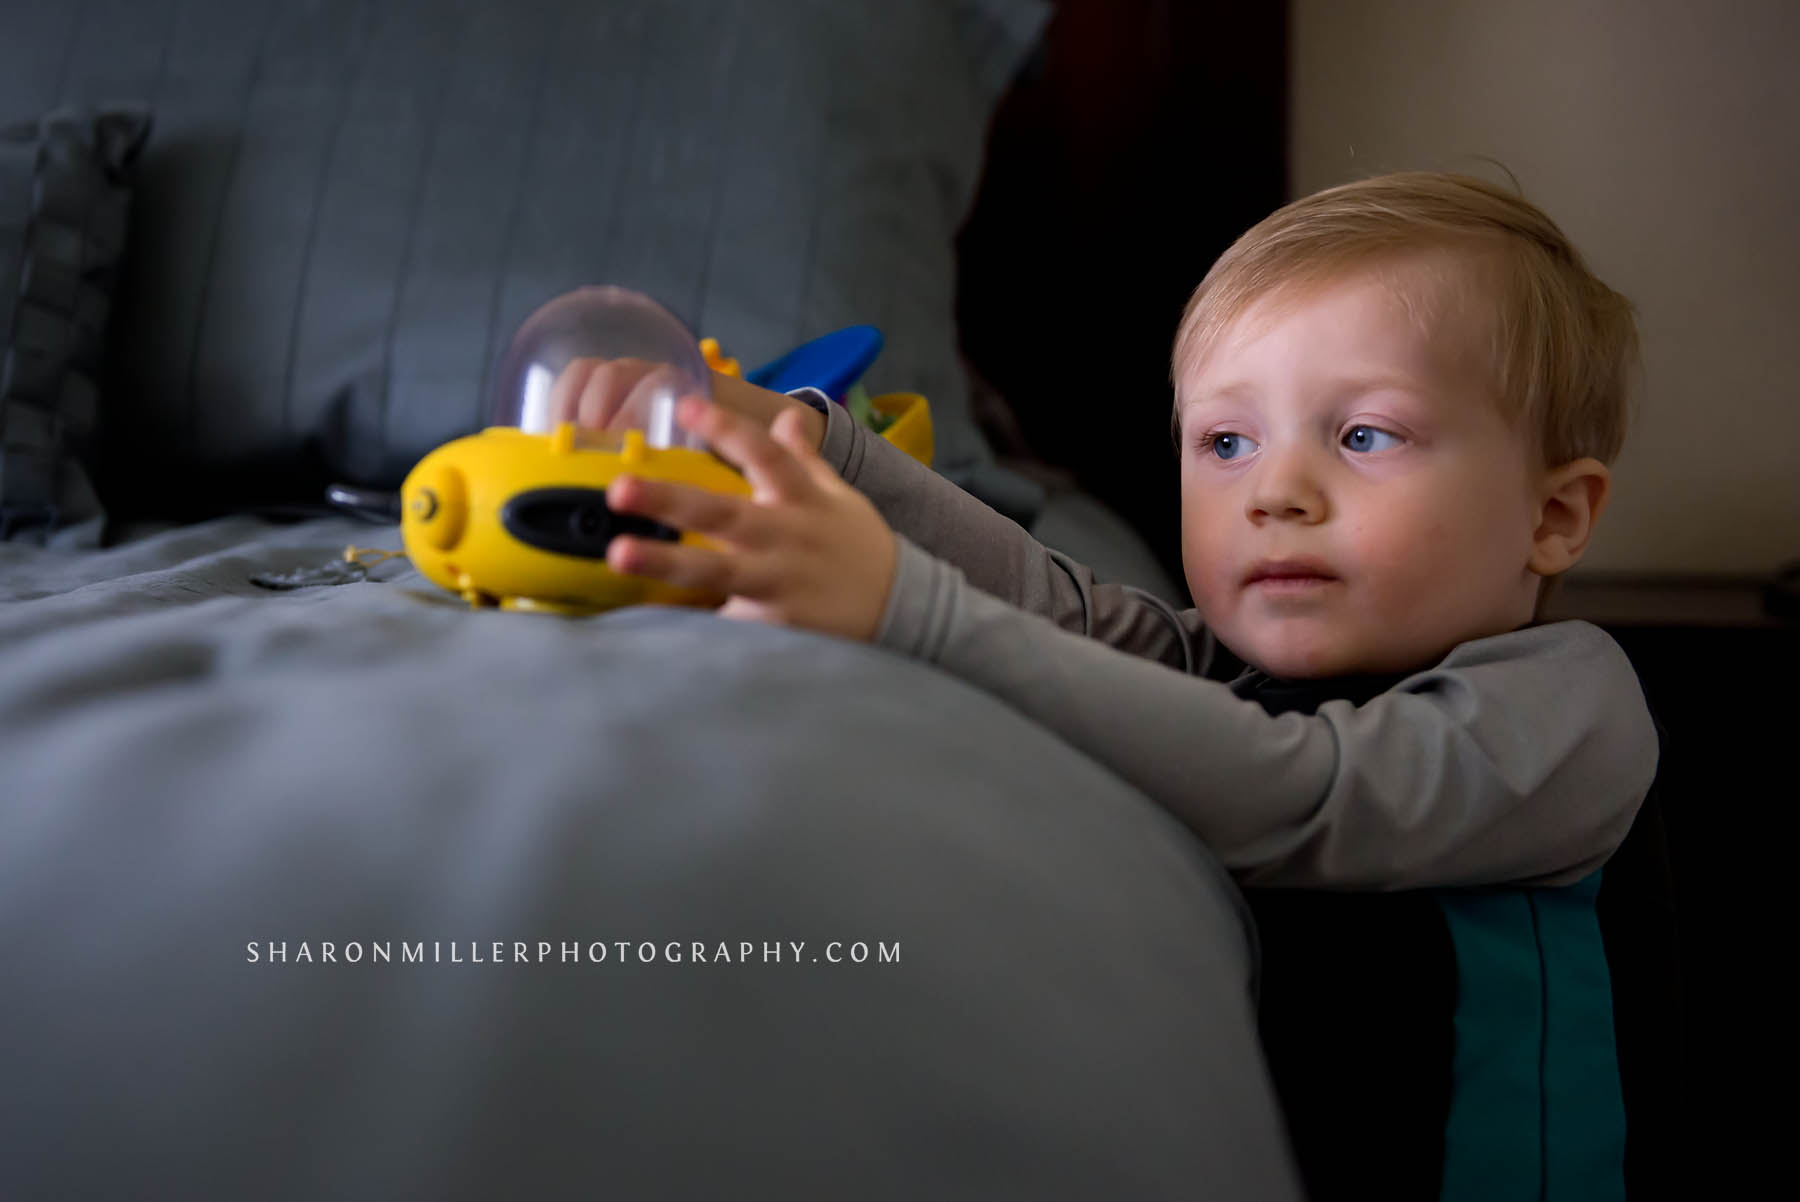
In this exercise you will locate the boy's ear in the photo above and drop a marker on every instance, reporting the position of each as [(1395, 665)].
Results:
[(1571, 499)]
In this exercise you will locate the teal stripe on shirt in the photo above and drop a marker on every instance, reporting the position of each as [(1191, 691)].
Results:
[(1535, 1110)]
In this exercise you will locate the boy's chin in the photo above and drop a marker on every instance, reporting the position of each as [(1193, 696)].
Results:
[(1300, 668), (1292, 660)]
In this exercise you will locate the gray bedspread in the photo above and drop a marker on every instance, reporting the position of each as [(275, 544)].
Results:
[(194, 770)]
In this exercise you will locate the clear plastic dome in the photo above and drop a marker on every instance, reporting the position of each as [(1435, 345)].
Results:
[(607, 359)]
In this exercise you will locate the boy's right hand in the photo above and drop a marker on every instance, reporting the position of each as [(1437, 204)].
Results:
[(611, 394)]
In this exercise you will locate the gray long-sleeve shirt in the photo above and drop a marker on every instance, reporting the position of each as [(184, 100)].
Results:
[(1520, 758)]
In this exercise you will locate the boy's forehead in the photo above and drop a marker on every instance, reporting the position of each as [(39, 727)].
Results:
[(1443, 294)]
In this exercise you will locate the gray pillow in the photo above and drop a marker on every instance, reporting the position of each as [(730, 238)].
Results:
[(65, 193), (350, 207)]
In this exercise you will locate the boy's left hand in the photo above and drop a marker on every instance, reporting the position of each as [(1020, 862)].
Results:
[(805, 549)]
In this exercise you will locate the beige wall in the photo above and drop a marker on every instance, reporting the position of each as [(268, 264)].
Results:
[(1664, 137)]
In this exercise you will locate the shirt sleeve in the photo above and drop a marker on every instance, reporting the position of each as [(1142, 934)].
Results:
[(996, 554), (1521, 758)]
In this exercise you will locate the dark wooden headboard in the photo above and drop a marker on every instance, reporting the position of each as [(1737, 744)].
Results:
[(1140, 141)]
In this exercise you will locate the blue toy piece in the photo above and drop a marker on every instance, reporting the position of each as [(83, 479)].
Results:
[(831, 363)]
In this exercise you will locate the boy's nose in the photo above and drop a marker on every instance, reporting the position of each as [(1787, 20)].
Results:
[(1282, 487)]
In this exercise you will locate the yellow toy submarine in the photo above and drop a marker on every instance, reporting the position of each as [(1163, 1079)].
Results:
[(516, 515)]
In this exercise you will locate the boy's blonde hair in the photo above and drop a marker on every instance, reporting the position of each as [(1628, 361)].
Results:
[(1565, 346)]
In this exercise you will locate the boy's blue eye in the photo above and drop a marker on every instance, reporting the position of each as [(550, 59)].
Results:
[(1362, 438), (1225, 446)]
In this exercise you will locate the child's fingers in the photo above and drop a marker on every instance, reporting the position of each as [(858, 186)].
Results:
[(565, 394), (752, 577), (765, 463), (655, 381), (731, 518), (605, 393), (789, 429), (682, 565), (592, 391)]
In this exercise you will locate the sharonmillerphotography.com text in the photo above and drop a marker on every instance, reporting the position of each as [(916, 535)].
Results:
[(619, 951)]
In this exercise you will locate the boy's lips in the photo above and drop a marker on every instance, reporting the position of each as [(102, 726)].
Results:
[(1289, 572)]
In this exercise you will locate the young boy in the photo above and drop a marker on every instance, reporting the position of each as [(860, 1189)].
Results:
[(1394, 406)]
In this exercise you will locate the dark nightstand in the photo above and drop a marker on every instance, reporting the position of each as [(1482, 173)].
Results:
[(1711, 602)]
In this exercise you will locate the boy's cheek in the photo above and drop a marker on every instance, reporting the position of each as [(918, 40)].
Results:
[(1213, 596), (1206, 555)]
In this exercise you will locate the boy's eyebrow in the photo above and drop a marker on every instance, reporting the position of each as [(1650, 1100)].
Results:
[(1243, 389), (1226, 392)]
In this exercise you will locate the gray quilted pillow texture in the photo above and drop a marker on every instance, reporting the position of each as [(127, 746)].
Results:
[(350, 205), (65, 195)]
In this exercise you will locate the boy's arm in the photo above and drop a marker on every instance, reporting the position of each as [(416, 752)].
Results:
[(995, 553), (997, 556), (1521, 758)]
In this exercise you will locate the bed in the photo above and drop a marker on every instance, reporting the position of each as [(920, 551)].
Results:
[(351, 890), (199, 772)]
